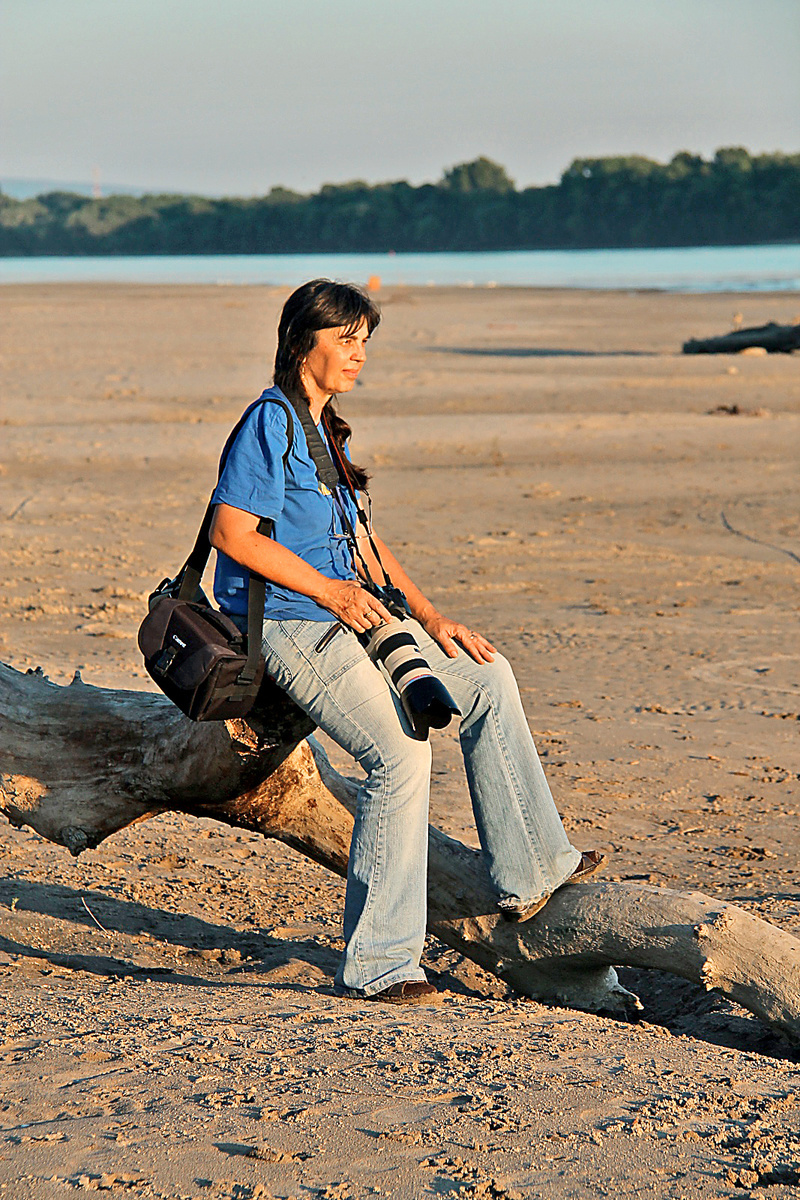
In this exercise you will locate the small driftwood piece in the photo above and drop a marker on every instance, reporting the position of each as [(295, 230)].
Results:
[(78, 763), (776, 339)]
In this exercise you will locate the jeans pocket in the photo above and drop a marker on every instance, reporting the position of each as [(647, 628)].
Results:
[(346, 652), (278, 645), (338, 654), (294, 629)]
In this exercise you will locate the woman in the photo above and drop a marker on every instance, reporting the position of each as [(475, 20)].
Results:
[(315, 608)]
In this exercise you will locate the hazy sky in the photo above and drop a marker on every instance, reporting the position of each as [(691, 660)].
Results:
[(235, 96)]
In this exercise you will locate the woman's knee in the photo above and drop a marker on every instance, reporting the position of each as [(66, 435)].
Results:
[(403, 760), (491, 690), (410, 759), (498, 681)]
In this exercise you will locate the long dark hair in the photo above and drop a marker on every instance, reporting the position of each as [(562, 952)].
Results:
[(321, 304)]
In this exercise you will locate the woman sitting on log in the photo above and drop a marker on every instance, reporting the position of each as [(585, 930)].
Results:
[(321, 611)]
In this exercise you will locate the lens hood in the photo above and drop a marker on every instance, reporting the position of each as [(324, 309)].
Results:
[(428, 705)]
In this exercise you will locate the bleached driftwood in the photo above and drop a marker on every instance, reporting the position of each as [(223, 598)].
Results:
[(78, 763)]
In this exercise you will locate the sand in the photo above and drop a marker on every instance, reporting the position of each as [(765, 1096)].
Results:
[(554, 472)]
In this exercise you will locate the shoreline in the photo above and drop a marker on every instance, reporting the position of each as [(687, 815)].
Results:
[(513, 288), (704, 270)]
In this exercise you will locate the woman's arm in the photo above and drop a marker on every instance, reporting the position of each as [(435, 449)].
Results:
[(443, 630), (234, 532)]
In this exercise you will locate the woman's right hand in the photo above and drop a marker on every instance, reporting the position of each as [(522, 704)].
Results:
[(353, 605)]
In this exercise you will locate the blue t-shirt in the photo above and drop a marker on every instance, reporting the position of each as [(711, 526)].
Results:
[(307, 520)]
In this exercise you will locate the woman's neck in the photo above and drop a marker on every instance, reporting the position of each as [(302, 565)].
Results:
[(316, 404)]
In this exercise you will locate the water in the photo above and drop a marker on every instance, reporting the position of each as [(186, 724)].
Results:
[(693, 269)]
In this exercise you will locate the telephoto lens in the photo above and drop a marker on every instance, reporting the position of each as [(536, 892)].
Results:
[(426, 701)]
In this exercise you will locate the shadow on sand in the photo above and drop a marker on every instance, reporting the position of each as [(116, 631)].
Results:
[(538, 352), (670, 1002), (130, 919)]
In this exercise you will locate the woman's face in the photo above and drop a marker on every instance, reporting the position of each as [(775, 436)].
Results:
[(333, 365)]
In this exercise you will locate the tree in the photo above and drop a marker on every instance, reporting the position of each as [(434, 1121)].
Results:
[(624, 200), (480, 175)]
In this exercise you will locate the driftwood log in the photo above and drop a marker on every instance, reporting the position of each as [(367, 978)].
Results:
[(78, 763), (776, 339)]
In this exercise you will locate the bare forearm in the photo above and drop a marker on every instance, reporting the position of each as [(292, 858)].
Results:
[(268, 558)]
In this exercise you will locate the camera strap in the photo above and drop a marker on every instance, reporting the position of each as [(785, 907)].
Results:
[(334, 475)]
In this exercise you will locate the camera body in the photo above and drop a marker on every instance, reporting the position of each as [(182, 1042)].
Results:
[(390, 597)]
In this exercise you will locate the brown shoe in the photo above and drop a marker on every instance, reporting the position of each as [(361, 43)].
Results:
[(410, 991), (591, 861)]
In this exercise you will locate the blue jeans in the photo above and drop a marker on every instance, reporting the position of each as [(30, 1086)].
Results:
[(526, 849)]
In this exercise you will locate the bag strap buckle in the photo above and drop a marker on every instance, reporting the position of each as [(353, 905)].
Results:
[(163, 661)]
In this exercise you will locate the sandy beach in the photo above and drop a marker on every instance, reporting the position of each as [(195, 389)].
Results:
[(623, 522)]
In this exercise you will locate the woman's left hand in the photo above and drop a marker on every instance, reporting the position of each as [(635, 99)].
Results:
[(450, 633)]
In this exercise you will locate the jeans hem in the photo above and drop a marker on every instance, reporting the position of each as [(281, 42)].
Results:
[(514, 903), (402, 975)]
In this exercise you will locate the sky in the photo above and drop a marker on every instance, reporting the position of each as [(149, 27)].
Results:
[(233, 97)]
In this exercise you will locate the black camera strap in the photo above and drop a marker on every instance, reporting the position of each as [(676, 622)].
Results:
[(192, 571), (334, 475)]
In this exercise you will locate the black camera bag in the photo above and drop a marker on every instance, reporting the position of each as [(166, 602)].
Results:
[(197, 657), (196, 654)]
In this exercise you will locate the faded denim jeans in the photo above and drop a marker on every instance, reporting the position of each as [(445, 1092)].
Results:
[(525, 847)]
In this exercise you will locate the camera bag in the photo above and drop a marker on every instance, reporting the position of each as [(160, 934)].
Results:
[(197, 655)]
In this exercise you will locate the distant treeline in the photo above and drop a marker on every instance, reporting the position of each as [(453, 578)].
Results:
[(735, 198)]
